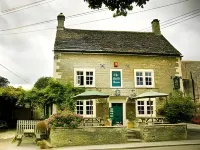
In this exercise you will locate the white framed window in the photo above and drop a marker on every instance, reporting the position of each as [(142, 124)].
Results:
[(86, 108), (116, 78), (84, 77), (144, 78), (145, 108)]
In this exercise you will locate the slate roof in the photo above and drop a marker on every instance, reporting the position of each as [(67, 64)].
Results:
[(92, 41)]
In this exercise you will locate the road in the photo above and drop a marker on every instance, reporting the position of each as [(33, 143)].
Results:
[(191, 147)]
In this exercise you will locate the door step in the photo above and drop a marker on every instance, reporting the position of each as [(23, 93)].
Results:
[(134, 140)]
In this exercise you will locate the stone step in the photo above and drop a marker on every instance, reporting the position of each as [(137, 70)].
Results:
[(134, 140), (132, 135)]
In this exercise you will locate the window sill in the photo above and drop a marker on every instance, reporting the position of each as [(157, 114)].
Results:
[(93, 86), (146, 87)]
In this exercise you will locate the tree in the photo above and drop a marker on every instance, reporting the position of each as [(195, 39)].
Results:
[(48, 91), (121, 6), (42, 82), (4, 82), (179, 108)]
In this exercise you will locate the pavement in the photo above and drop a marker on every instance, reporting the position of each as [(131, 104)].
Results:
[(29, 144)]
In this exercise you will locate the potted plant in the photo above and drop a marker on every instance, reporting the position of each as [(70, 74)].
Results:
[(107, 122), (131, 118), (42, 127)]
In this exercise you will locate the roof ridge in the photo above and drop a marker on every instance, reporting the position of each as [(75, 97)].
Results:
[(109, 31)]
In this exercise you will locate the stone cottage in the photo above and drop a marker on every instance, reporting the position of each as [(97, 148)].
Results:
[(120, 63)]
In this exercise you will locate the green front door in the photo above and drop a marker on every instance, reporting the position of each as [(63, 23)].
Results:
[(118, 113)]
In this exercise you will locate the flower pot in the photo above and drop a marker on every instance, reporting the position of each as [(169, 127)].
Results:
[(107, 123), (130, 124)]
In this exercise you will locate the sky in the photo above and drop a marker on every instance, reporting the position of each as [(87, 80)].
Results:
[(29, 54)]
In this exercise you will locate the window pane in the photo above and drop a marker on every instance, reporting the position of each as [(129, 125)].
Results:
[(82, 80), (138, 73), (89, 78), (79, 78), (79, 107), (89, 107), (139, 81), (148, 102), (148, 78)]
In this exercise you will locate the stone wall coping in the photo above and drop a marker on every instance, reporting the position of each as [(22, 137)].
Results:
[(104, 127), (91, 127), (179, 124)]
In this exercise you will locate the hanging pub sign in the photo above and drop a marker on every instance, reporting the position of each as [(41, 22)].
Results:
[(116, 78), (111, 113), (176, 82)]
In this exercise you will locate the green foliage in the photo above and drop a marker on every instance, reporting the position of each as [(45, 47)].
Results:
[(52, 92), (65, 119), (179, 108), (121, 6), (42, 82), (4, 82), (105, 105), (131, 116), (12, 94), (42, 126)]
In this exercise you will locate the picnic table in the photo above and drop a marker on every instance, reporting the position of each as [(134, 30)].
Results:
[(26, 128), (29, 132), (154, 120), (92, 121)]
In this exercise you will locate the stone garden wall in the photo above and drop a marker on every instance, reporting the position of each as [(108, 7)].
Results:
[(163, 132), (87, 136)]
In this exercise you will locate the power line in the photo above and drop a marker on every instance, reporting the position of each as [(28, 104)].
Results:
[(13, 73), (48, 21), (94, 20), (19, 7), (180, 21), (176, 18), (27, 7)]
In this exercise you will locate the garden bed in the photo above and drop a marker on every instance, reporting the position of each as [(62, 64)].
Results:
[(87, 136)]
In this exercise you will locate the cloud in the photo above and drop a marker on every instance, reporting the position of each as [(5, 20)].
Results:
[(30, 54)]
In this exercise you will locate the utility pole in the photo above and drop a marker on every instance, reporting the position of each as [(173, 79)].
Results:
[(193, 89)]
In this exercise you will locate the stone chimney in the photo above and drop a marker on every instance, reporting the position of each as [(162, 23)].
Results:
[(61, 20), (156, 26)]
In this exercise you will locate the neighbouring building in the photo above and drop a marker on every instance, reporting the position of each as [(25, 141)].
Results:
[(191, 79), (120, 63)]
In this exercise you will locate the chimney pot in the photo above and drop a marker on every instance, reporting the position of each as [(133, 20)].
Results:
[(156, 26), (61, 20)]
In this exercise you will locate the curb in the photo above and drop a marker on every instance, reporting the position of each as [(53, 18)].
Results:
[(133, 145)]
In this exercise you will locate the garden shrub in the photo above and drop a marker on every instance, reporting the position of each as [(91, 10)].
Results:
[(65, 119), (179, 108), (42, 126)]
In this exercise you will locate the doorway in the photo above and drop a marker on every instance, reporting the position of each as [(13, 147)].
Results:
[(118, 113)]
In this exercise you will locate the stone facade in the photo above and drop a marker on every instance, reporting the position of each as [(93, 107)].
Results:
[(164, 132), (164, 69), (133, 52), (87, 136)]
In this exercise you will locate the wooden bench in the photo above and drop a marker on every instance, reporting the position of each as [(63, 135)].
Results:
[(26, 128)]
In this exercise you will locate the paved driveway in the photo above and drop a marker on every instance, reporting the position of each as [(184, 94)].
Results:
[(193, 132), (7, 137)]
